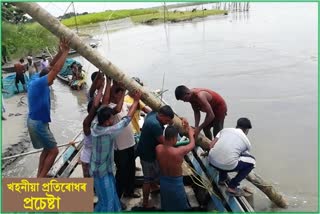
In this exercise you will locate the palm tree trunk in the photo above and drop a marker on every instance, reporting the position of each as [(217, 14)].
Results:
[(55, 27)]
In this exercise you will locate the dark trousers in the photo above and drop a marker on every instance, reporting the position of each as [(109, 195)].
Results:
[(125, 175), (243, 169)]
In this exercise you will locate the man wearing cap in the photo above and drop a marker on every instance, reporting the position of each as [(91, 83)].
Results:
[(44, 62), (31, 67), (230, 153)]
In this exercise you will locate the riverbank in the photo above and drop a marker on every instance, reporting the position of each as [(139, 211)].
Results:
[(15, 137), (141, 16), (176, 16)]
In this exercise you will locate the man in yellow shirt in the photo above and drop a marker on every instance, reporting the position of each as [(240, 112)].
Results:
[(141, 107)]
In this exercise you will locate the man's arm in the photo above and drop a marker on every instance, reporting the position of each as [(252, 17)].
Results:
[(183, 150), (213, 142), (206, 108), (119, 105), (134, 106), (197, 116), (160, 139), (146, 109), (106, 96), (111, 130), (95, 84), (64, 47), (92, 113), (56, 57)]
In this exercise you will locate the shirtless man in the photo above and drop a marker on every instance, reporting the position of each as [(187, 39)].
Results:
[(207, 101), (20, 70), (170, 158)]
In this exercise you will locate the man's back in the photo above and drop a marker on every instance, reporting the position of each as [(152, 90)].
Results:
[(148, 140), (227, 150), (19, 68), (39, 99), (170, 162), (216, 100)]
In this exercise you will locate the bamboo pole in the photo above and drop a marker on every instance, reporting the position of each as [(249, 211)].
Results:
[(55, 27), (39, 150), (268, 190)]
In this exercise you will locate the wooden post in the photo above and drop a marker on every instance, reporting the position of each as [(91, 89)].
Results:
[(55, 27)]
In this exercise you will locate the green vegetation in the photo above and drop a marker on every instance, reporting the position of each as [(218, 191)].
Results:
[(175, 16), (105, 16), (22, 39)]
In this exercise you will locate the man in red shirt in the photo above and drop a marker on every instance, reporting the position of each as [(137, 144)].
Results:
[(208, 101)]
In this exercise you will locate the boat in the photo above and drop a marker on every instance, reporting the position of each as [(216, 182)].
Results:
[(200, 179), (65, 75)]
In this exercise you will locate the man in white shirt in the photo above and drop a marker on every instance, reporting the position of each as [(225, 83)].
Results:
[(230, 153), (124, 148)]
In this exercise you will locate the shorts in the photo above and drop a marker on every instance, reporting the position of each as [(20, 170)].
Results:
[(151, 171), (40, 134), (20, 78)]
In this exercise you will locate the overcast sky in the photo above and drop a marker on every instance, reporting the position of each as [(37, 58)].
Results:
[(59, 8)]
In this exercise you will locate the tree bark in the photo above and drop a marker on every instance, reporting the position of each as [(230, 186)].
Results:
[(55, 27)]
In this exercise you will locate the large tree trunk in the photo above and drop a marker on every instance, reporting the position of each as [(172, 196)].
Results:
[(55, 27)]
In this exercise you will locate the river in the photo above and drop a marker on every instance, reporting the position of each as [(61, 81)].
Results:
[(263, 62)]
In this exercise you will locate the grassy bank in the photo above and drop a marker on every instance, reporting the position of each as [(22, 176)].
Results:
[(144, 16), (23, 39), (105, 16), (175, 17)]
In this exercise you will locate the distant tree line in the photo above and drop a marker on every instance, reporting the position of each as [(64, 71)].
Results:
[(71, 14)]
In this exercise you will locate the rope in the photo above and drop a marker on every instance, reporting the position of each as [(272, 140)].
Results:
[(36, 151), (201, 181)]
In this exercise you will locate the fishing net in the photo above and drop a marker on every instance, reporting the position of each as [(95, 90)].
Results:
[(9, 86)]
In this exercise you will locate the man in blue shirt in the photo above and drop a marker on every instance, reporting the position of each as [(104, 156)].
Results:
[(151, 136), (39, 111)]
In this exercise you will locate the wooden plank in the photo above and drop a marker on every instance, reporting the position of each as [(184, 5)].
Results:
[(215, 198), (72, 164), (233, 202), (191, 196), (62, 159)]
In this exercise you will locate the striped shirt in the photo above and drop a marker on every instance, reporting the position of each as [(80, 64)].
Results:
[(103, 139)]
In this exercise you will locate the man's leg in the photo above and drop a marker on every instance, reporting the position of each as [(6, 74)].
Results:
[(207, 132), (131, 167), (85, 170), (42, 158), (223, 176), (17, 81), (217, 126), (23, 83), (148, 174), (243, 168), (121, 160), (48, 162)]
